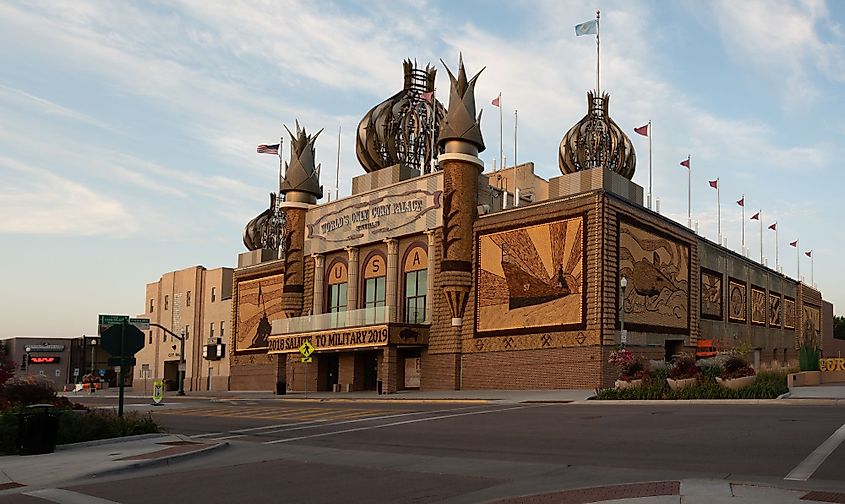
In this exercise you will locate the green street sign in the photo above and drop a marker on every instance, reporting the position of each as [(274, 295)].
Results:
[(158, 391), (141, 323), (110, 320)]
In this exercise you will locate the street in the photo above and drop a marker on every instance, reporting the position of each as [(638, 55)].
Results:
[(379, 451)]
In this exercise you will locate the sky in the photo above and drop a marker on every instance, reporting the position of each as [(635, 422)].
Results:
[(128, 129)]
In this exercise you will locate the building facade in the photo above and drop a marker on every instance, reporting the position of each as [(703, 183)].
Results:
[(459, 278), (195, 303)]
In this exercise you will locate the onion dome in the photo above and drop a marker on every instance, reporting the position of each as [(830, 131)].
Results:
[(461, 122), (301, 176), (265, 230), (597, 141), (400, 129)]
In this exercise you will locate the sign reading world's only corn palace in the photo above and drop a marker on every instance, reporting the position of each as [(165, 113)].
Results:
[(375, 216)]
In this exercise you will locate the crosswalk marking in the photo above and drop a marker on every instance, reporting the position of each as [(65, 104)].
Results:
[(262, 412)]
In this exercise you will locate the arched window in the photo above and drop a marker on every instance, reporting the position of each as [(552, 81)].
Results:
[(415, 269), (338, 279), (375, 273)]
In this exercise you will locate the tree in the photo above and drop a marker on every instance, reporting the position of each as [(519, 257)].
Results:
[(839, 327)]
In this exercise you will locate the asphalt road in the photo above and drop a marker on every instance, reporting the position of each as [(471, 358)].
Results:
[(288, 451)]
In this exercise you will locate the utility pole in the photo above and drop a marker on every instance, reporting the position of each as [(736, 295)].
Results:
[(181, 354)]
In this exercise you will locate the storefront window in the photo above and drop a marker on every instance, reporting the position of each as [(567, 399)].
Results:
[(416, 285)]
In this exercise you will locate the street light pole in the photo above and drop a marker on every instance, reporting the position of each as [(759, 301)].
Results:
[(623, 282), (93, 348), (182, 364)]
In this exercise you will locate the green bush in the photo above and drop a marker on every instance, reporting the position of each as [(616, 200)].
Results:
[(808, 358), (768, 385), (28, 390), (78, 426)]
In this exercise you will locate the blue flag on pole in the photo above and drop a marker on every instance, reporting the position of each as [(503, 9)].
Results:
[(588, 28)]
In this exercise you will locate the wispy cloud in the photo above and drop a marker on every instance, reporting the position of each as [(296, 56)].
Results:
[(43, 105)]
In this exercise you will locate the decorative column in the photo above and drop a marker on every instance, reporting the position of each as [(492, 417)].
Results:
[(391, 282), (429, 291), (319, 280), (352, 285), (461, 140), (294, 288)]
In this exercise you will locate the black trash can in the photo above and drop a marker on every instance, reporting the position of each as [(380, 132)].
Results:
[(38, 427), (281, 388)]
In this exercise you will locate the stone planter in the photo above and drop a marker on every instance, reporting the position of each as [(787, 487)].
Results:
[(681, 383), (736, 383), (622, 384)]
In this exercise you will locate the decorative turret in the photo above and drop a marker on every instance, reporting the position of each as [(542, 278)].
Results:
[(461, 124), (400, 129), (301, 181), (265, 230), (461, 141), (596, 141)]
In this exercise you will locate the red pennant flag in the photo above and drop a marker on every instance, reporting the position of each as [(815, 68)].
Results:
[(685, 163), (741, 201), (756, 216), (642, 130), (714, 184), (808, 253), (427, 96), (793, 243), (774, 226), (495, 101)]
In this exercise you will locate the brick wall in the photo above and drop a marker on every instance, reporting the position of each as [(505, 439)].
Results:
[(556, 368)]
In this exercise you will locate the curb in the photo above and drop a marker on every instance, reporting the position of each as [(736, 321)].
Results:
[(114, 440), (143, 464)]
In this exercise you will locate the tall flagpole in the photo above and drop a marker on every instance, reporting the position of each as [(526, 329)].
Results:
[(433, 125), (689, 191), (598, 56), (812, 263), (777, 261), (761, 235), (798, 259), (337, 171), (515, 163), (650, 192), (281, 164), (501, 143), (743, 224), (718, 211)]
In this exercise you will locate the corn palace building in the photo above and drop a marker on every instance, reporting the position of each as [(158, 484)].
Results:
[(444, 276)]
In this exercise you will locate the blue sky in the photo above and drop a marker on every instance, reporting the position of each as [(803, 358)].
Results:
[(128, 129)]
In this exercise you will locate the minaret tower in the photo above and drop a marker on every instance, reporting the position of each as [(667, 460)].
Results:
[(301, 188), (460, 141)]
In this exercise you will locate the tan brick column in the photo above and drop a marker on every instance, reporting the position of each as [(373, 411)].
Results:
[(293, 289), (319, 278), (391, 282), (389, 370), (429, 292), (352, 285)]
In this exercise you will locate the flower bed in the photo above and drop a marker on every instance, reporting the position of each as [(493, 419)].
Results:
[(768, 385)]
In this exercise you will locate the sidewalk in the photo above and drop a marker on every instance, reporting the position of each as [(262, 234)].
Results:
[(687, 491), (101, 457)]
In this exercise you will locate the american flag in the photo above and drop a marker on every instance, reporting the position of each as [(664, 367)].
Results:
[(268, 149)]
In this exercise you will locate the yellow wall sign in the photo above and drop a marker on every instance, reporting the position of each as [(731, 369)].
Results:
[(360, 337), (832, 364)]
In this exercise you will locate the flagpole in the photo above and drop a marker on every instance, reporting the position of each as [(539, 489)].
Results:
[(281, 162), (743, 224), (718, 211), (501, 136), (689, 191), (798, 259), (812, 264), (777, 262), (433, 125), (337, 171), (761, 235), (515, 163), (650, 192), (598, 56)]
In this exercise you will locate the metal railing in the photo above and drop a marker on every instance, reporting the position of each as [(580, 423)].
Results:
[(337, 320)]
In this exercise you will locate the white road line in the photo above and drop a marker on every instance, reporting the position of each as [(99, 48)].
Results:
[(67, 497), (806, 468), (403, 422), (368, 419)]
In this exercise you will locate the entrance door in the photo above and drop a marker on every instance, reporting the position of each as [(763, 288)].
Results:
[(328, 369), (370, 370), (672, 348)]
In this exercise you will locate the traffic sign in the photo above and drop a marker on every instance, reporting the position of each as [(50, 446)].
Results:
[(133, 340), (307, 359), (76, 371), (306, 349), (110, 320), (141, 323), (624, 336), (126, 361), (158, 391)]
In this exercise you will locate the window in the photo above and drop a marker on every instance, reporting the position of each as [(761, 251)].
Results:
[(222, 328), (152, 305), (188, 299), (416, 285), (336, 293), (186, 334), (213, 294), (150, 340), (374, 282), (211, 330), (166, 301)]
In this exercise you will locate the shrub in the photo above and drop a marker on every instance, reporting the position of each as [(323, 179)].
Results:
[(735, 366), (75, 427), (629, 367), (808, 358), (683, 366), (768, 385), (28, 389)]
